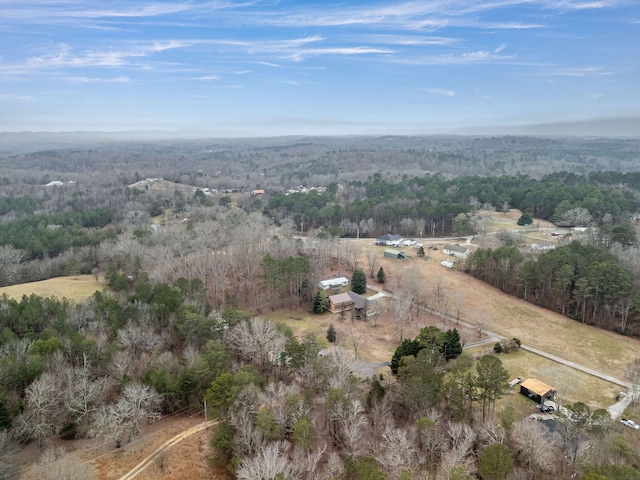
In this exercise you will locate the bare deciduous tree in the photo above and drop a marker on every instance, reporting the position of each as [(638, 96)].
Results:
[(83, 394), (257, 341), (43, 406), (271, 461), (533, 446), (402, 305), (136, 404), (356, 339), (398, 450), (372, 262), (353, 429)]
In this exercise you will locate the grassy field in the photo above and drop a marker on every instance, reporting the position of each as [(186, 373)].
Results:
[(604, 351), (74, 288)]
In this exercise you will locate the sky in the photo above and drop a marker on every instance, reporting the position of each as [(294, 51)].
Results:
[(268, 68)]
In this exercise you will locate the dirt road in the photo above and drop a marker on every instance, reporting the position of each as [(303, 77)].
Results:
[(168, 444)]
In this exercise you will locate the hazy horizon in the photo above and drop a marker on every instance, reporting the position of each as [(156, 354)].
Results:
[(270, 68)]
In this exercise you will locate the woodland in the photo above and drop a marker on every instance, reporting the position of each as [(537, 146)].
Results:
[(193, 262)]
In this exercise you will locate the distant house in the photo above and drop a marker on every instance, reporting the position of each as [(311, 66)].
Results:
[(397, 254), (334, 283), (456, 250), (340, 302), (389, 239), (257, 192), (537, 391)]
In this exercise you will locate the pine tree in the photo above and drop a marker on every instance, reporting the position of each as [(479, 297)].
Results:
[(331, 334), (451, 346), (320, 302), (381, 275), (359, 281)]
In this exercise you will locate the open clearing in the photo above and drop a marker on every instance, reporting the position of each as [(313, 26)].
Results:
[(74, 288), (478, 303)]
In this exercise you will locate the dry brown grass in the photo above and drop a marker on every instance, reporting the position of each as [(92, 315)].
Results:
[(74, 288), (604, 351)]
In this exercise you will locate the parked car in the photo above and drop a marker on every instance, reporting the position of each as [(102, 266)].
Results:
[(630, 423), (515, 381), (547, 408)]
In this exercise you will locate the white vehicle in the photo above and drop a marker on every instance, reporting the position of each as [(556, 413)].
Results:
[(630, 423)]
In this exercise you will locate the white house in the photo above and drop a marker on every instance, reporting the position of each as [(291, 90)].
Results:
[(334, 283), (456, 250)]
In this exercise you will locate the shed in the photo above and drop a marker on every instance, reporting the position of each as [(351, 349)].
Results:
[(340, 302), (537, 391), (397, 254)]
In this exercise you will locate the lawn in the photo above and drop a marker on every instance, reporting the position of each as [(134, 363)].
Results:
[(74, 288)]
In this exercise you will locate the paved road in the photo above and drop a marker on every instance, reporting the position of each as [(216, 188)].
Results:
[(615, 410)]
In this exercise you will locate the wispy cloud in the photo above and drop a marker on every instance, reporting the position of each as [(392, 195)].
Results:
[(474, 57), (210, 78), (581, 5), (440, 91), (64, 56), (594, 96), (98, 80), (15, 96), (268, 64), (591, 71), (314, 52)]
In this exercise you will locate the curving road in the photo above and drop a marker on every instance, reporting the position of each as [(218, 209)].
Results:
[(168, 444)]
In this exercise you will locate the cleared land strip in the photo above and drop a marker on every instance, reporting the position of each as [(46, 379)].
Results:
[(168, 444), (568, 363)]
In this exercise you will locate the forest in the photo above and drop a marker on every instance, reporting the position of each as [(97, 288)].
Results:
[(193, 268)]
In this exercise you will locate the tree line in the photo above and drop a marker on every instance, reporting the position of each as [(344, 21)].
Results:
[(585, 282)]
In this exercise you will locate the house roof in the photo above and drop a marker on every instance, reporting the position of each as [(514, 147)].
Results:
[(455, 248), (339, 298), (536, 386), (389, 237), (358, 300), (334, 281)]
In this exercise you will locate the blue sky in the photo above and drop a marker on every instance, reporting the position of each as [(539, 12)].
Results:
[(256, 68)]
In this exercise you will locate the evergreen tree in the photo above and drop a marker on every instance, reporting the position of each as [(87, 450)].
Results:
[(381, 275), (407, 347), (331, 334), (491, 382), (359, 281), (525, 219), (496, 462), (451, 346), (320, 302)]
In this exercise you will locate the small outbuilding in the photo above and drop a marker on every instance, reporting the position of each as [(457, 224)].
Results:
[(537, 391), (397, 254)]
